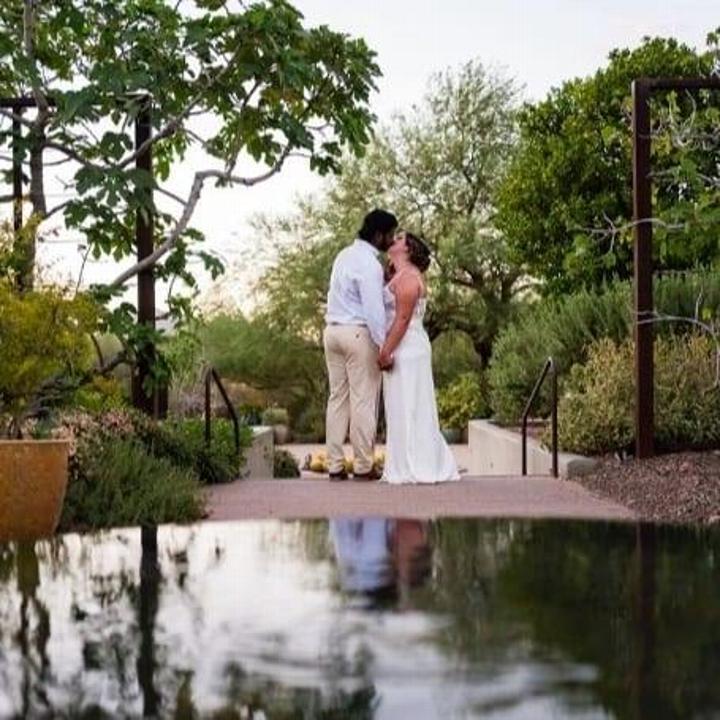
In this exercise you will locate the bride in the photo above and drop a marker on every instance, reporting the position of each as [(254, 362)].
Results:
[(416, 452)]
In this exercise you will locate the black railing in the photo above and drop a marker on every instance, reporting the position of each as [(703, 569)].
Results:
[(550, 368), (209, 376)]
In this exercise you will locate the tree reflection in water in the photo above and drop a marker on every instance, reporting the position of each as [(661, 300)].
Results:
[(150, 579), (34, 632), (638, 606), (189, 623)]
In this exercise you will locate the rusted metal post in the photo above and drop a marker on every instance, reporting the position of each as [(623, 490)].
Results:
[(208, 408), (146, 278), (209, 376), (548, 367), (642, 213), (554, 418)]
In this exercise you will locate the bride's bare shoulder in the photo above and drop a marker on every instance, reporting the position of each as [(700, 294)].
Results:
[(411, 278), (407, 285)]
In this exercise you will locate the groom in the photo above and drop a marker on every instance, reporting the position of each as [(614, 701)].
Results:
[(354, 333)]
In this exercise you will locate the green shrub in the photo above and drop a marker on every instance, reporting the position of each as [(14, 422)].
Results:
[(179, 441), (44, 335), (288, 368), (562, 329), (100, 395), (567, 327), (182, 441), (249, 414), (121, 483), (152, 461), (184, 353), (309, 426), (275, 416), (285, 465), (453, 355), (596, 409), (687, 405), (595, 414), (462, 400)]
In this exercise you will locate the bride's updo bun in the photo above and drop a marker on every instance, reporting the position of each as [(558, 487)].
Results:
[(418, 252)]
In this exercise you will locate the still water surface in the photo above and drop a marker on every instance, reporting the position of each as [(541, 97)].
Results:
[(368, 618)]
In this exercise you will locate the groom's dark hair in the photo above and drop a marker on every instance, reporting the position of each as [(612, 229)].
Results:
[(377, 221)]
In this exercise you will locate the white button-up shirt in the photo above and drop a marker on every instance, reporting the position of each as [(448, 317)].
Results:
[(356, 290)]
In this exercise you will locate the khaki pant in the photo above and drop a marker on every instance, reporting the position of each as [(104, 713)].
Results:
[(355, 379)]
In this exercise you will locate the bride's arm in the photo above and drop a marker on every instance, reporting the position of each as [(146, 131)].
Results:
[(407, 293)]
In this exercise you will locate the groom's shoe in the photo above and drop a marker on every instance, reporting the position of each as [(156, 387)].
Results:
[(374, 474), (337, 476)]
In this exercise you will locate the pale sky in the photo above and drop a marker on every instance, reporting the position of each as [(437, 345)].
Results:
[(538, 42)]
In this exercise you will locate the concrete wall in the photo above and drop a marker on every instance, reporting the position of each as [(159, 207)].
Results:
[(497, 451), (259, 456)]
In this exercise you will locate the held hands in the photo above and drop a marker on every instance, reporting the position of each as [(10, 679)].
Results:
[(385, 360)]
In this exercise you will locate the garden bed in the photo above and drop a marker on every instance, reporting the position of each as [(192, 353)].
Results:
[(677, 488)]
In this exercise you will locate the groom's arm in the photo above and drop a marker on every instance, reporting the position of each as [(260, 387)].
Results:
[(370, 285)]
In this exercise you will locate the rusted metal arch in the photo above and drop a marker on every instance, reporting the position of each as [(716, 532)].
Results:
[(642, 90)]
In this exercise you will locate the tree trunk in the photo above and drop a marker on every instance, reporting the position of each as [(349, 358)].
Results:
[(483, 347), (28, 240)]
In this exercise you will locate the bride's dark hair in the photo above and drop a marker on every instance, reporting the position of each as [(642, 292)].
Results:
[(418, 252)]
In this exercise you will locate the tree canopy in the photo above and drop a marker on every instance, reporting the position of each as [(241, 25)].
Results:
[(269, 86), (565, 204), (435, 167)]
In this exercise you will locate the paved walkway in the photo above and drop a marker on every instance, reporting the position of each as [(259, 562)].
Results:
[(542, 497)]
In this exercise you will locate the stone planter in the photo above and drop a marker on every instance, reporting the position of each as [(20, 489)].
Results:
[(495, 450), (259, 456), (33, 480)]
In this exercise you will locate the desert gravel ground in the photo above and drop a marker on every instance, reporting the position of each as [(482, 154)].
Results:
[(677, 488)]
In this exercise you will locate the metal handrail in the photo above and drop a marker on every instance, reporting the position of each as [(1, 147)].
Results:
[(210, 375), (551, 368)]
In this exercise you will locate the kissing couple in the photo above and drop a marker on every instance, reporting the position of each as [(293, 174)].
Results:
[(375, 337)]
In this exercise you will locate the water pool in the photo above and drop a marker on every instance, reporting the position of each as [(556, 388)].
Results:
[(363, 618)]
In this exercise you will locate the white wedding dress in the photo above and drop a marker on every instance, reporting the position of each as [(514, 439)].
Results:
[(416, 451)]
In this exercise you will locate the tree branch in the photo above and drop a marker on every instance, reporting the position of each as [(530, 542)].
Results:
[(175, 123), (86, 255), (172, 195), (655, 317), (57, 209), (53, 145), (98, 349), (61, 383), (76, 156), (196, 190)]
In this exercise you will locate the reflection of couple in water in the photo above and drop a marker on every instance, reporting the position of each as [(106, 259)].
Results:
[(381, 558)]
